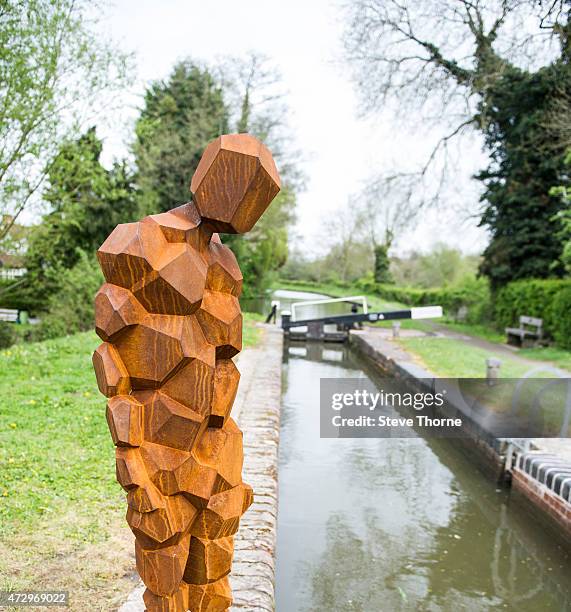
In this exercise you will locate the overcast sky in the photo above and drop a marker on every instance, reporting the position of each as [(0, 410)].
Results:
[(303, 38)]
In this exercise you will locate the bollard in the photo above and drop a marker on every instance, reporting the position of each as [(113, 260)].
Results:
[(396, 329), (492, 369)]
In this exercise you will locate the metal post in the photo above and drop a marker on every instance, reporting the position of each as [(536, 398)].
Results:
[(286, 318), (396, 329)]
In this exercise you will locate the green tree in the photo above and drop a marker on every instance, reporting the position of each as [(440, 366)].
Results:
[(520, 211), (70, 308), (382, 264), (564, 217), (179, 118), (53, 73), (185, 112), (500, 67), (87, 202)]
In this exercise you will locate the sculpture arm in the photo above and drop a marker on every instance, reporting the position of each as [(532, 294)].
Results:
[(110, 371)]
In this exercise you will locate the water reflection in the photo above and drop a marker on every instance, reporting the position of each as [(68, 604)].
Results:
[(389, 525)]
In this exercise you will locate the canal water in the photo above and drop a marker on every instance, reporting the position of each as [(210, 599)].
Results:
[(388, 525)]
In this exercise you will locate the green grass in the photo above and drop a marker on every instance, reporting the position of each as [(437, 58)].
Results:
[(55, 450), (448, 358), (476, 330), (556, 356), (56, 454), (455, 359), (251, 334)]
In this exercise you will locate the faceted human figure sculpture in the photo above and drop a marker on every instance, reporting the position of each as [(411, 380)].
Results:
[(170, 322)]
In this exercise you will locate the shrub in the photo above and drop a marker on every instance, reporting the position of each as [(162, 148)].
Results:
[(532, 297), (8, 334), (561, 311), (18, 294), (70, 309), (472, 293)]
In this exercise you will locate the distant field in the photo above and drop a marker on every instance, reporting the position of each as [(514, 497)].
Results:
[(61, 510), (374, 301)]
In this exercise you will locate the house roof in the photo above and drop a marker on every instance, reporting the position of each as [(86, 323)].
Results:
[(8, 260)]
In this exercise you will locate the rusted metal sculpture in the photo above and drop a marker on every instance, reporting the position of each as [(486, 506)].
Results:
[(170, 322)]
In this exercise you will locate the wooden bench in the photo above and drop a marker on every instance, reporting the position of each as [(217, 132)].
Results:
[(8, 314), (529, 332)]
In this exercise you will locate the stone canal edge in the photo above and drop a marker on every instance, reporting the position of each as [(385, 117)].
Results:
[(257, 412), (539, 473)]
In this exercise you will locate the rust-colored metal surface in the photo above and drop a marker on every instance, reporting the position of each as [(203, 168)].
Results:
[(170, 322)]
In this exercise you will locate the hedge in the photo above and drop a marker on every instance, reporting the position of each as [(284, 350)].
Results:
[(18, 295), (474, 294), (562, 314), (535, 298)]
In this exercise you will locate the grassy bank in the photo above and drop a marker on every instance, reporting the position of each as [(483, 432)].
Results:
[(551, 354), (62, 512), (450, 358)]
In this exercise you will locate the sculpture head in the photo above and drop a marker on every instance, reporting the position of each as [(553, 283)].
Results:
[(234, 183)]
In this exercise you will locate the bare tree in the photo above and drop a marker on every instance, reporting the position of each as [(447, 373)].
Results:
[(388, 206), (345, 238), (54, 71), (258, 102), (435, 62)]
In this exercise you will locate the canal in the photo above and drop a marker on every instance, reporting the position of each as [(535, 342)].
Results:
[(397, 524)]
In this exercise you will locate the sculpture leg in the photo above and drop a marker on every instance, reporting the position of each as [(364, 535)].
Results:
[(212, 597), (178, 602), (209, 563), (197, 591), (161, 569)]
